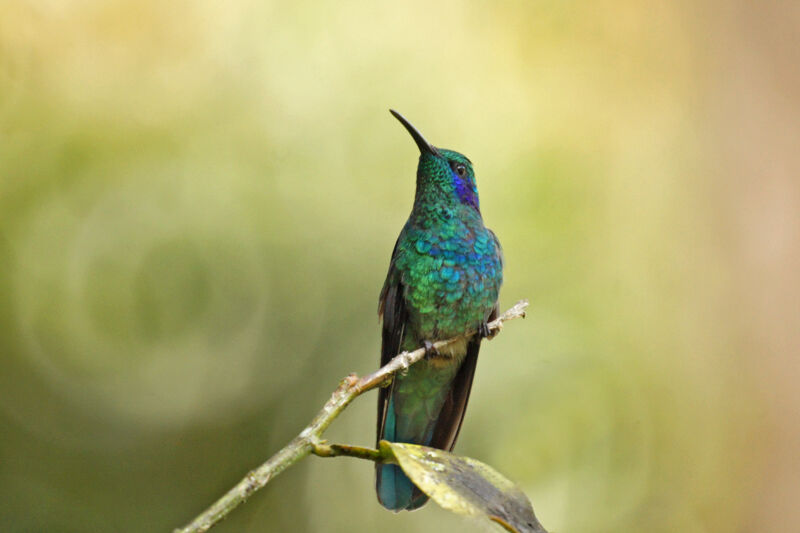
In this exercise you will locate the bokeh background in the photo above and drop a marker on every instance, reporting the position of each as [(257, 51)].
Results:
[(198, 201)]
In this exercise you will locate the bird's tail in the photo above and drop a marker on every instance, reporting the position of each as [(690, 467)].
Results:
[(395, 491)]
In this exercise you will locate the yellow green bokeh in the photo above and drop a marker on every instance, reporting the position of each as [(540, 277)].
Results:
[(198, 201)]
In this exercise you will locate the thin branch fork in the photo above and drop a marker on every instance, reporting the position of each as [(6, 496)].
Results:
[(310, 439)]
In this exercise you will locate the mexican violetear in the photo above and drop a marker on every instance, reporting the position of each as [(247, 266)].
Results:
[(444, 278)]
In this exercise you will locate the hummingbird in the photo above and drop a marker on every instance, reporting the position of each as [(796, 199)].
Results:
[(444, 279)]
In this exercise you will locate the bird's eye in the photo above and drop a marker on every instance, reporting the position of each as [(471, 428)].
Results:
[(460, 169)]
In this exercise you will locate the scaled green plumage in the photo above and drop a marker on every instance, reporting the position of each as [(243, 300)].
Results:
[(444, 279)]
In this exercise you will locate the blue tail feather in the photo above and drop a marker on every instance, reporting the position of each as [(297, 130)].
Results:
[(395, 491)]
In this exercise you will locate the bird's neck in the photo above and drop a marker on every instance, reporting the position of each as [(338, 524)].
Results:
[(433, 205)]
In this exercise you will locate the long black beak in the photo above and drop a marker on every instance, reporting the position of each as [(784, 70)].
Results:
[(424, 146)]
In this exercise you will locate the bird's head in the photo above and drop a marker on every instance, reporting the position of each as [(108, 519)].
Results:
[(444, 171)]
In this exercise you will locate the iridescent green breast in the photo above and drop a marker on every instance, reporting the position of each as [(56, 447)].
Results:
[(451, 272)]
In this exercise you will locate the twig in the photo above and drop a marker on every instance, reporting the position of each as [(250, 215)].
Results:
[(345, 450), (309, 440)]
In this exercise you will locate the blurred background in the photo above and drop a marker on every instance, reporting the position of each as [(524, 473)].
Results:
[(198, 201)]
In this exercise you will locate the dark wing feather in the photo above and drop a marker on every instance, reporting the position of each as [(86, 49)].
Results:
[(392, 310), (450, 418)]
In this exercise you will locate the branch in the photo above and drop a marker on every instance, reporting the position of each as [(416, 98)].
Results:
[(309, 440)]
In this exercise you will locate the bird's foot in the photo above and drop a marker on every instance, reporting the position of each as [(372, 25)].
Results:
[(430, 350), (484, 332)]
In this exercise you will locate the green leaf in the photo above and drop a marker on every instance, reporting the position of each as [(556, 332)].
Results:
[(465, 486)]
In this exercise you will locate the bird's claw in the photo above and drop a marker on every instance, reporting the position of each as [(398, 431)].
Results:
[(484, 332), (430, 350)]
